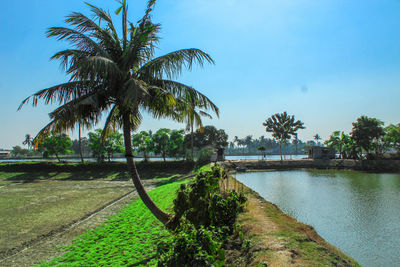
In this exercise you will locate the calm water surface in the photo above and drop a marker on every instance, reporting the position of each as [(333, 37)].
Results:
[(357, 212)]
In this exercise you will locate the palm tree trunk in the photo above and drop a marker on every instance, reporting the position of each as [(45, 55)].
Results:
[(157, 212), (80, 143), (192, 141)]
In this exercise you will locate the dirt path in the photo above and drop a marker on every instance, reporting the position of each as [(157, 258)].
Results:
[(46, 247)]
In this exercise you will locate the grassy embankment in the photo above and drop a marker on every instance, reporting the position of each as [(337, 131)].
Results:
[(38, 199)]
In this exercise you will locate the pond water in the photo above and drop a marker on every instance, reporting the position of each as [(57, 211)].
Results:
[(267, 157), (357, 212)]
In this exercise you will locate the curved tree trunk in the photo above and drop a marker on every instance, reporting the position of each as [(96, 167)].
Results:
[(160, 215)]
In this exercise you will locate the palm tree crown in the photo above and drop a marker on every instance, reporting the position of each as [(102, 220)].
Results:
[(119, 76), (283, 127)]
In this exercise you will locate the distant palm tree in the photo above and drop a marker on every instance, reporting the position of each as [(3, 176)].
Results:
[(120, 77), (248, 140), (317, 138), (28, 141), (282, 126), (192, 115)]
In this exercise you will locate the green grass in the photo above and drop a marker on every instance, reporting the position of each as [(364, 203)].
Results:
[(129, 238)]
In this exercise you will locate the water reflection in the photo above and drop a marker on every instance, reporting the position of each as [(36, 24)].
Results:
[(357, 212)]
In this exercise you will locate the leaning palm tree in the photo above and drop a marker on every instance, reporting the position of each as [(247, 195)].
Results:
[(283, 127), (120, 77)]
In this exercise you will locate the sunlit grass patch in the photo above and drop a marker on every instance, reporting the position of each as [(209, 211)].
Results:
[(129, 238)]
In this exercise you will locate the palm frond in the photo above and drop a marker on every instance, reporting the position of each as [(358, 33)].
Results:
[(76, 38), (188, 94), (61, 93), (171, 64)]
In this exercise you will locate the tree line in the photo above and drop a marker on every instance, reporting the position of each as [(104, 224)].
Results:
[(164, 143), (368, 139)]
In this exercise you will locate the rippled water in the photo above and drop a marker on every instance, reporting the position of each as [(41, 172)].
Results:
[(357, 212)]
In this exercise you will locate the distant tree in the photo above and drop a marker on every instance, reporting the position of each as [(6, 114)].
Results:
[(84, 146), (248, 141), (349, 150), (18, 151), (56, 145), (113, 143), (210, 136), (283, 127), (296, 142), (317, 138), (192, 115), (366, 131), (28, 141), (392, 136), (175, 144), (142, 142), (335, 142), (262, 149), (161, 142)]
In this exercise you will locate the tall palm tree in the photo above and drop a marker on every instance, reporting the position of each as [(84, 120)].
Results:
[(317, 138), (283, 127), (192, 115), (28, 141), (120, 77)]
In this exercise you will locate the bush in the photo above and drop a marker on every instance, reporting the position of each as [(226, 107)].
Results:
[(204, 218), (192, 247)]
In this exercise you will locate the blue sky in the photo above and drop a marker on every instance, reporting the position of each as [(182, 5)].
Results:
[(325, 61)]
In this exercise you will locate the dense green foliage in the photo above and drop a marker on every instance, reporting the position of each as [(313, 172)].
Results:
[(113, 143), (55, 145), (142, 143), (368, 138), (128, 238), (283, 127), (207, 136), (205, 216), (367, 132)]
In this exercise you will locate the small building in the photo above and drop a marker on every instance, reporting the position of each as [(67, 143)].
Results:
[(318, 152), (4, 154)]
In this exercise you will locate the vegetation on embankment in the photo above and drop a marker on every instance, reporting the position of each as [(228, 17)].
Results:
[(127, 239), (277, 239), (350, 164)]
